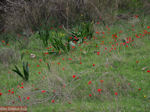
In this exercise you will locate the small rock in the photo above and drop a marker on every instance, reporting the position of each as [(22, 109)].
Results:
[(144, 68), (84, 52), (32, 56)]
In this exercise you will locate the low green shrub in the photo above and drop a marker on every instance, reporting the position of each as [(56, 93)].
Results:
[(85, 29)]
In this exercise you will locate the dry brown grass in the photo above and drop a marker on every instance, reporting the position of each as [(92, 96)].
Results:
[(8, 56), (23, 14)]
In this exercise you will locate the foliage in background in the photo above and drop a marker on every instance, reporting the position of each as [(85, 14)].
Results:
[(6, 36), (133, 6), (44, 36), (64, 12)]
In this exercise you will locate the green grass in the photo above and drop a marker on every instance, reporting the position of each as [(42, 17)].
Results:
[(117, 66)]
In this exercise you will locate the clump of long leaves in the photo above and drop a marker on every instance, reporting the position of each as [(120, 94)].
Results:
[(59, 44), (85, 29), (44, 36), (25, 74), (44, 33)]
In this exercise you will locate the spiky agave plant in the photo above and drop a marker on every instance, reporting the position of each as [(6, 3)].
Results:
[(25, 74)]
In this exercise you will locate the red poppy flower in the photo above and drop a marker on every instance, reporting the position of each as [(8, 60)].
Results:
[(9, 90), (139, 89), (53, 101), (148, 70), (89, 82), (63, 68), (28, 98), (90, 95), (70, 37), (120, 31), (98, 53), (97, 32), (22, 87), (93, 64), (1, 94), (116, 93), (3, 41), (136, 16), (46, 53), (38, 65), (76, 38), (43, 91), (74, 76), (70, 58), (101, 81), (73, 47), (40, 60), (99, 90)]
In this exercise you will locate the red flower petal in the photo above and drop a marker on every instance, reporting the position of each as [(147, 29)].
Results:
[(74, 76)]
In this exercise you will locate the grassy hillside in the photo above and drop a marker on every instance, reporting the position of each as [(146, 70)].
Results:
[(109, 73)]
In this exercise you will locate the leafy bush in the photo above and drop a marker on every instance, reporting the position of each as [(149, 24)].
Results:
[(83, 30), (58, 44)]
